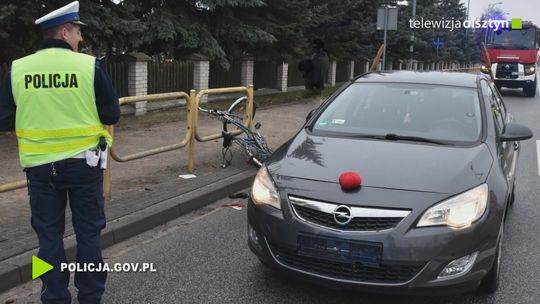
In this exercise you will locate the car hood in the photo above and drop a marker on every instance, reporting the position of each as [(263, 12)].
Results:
[(383, 164)]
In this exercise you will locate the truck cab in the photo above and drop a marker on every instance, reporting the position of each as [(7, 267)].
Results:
[(513, 54)]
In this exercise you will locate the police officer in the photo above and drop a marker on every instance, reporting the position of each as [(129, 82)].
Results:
[(57, 100)]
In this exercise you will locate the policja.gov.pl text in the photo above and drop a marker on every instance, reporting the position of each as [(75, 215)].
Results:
[(106, 267)]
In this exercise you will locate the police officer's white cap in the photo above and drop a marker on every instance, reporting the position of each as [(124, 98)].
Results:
[(66, 14)]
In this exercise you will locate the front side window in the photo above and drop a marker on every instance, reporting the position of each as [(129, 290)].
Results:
[(443, 113), (498, 101), (496, 106)]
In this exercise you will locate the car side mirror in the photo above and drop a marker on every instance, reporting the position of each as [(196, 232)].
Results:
[(310, 114), (516, 132)]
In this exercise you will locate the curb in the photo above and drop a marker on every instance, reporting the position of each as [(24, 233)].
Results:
[(18, 269)]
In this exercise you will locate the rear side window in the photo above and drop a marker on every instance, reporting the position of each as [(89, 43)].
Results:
[(429, 111)]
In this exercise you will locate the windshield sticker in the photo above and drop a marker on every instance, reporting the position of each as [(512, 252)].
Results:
[(412, 93), (323, 123), (338, 121)]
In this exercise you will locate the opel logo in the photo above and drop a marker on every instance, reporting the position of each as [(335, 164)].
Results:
[(342, 215)]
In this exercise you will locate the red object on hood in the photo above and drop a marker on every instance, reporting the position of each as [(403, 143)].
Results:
[(350, 180)]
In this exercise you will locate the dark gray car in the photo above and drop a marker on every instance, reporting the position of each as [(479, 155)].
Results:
[(433, 158)]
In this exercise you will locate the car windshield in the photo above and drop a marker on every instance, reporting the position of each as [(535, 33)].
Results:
[(395, 111)]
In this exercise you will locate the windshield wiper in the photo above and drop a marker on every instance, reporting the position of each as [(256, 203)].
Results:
[(392, 136)]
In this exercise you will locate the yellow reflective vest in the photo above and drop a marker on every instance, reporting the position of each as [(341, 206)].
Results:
[(56, 114)]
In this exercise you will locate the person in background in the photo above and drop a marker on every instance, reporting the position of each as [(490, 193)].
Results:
[(315, 68), (57, 101)]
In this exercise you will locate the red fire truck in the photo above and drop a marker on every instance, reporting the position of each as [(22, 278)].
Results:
[(513, 55)]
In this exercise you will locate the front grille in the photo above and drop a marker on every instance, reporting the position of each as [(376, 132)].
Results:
[(506, 69), (356, 224), (389, 274)]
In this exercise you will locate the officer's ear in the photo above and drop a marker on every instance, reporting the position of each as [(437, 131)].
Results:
[(62, 33), (65, 30)]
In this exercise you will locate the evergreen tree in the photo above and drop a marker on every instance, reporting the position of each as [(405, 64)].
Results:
[(18, 34), (226, 29)]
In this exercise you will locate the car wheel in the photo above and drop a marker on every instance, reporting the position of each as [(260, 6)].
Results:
[(530, 90), (490, 282)]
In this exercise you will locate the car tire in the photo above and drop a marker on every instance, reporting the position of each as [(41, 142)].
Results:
[(530, 90), (490, 282)]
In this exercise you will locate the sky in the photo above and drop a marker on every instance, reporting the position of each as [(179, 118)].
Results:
[(525, 9)]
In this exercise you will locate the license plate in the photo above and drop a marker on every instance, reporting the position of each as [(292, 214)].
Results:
[(333, 249)]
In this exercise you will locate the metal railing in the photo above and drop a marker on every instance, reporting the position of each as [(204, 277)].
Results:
[(13, 186), (470, 69), (197, 98), (192, 103), (153, 98), (247, 115), (149, 98)]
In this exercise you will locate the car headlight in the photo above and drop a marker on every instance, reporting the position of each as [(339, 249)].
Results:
[(530, 69), (484, 69), (459, 211), (263, 191)]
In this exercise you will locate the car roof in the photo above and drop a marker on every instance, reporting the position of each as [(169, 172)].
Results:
[(459, 79)]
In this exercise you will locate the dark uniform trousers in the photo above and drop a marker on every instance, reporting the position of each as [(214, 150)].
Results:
[(50, 186)]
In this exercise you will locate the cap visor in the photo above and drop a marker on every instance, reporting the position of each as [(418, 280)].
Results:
[(78, 22)]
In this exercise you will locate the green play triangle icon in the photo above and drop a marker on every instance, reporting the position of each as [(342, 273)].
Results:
[(39, 267)]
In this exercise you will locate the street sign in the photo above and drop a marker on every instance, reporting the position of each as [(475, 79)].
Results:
[(391, 20), (438, 43), (386, 20)]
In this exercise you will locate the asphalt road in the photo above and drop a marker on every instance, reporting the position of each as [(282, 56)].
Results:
[(203, 257)]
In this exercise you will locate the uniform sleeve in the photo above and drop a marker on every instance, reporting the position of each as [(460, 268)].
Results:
[(106, 97), (7, 105)]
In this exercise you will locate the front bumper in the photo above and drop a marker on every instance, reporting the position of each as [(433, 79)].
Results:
[(515, 78), (411, 258), (514, 84)]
